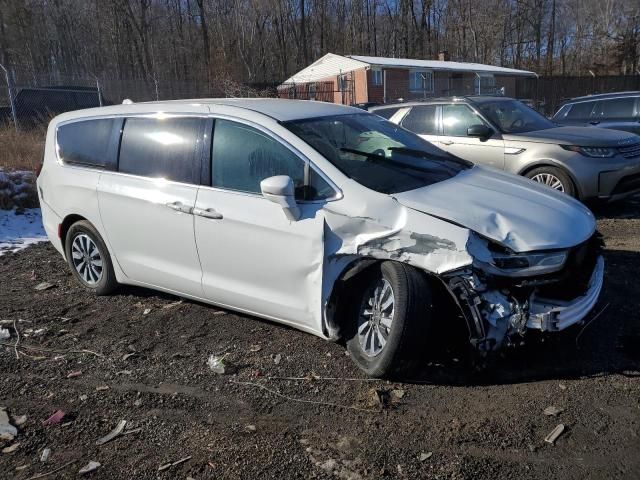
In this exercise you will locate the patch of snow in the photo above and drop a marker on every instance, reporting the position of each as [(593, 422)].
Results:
[(18, 231)]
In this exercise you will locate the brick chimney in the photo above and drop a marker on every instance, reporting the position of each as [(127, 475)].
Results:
[(443, 56)]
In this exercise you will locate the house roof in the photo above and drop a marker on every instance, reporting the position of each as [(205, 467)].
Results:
[(332, 64)]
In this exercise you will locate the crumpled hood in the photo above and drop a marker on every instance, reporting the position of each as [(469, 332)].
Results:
[(581, 136), (505, 208)]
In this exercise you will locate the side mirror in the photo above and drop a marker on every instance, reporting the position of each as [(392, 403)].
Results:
[(280, 190), (479, 130)]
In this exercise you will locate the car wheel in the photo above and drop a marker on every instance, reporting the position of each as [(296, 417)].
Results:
[(89, 258), (553, 177), (390, 317)]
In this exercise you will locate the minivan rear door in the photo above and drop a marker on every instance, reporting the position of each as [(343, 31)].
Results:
[(146, 205)]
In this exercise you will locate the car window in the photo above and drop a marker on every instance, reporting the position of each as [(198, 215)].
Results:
[(456, 119), (615, 108), (92, 143), (243, 156), (386, 112), (421, 120), (580, 110), (376, 153), (168, 148), (513, 116)]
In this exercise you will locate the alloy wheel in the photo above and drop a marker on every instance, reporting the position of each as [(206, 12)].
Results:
[(549, 180), (86, 259), (376, 318)]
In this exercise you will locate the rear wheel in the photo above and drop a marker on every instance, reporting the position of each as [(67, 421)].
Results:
[(89, 259), (553, 177), (390, 317)]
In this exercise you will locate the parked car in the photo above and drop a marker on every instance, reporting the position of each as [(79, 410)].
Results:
[(618, 111), (506, 134), (36, 105), (320, 216), (365, 105)]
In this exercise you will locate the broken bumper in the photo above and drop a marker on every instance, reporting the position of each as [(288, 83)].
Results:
[(554, 315)]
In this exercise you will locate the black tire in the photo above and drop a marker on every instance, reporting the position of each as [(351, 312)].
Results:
[(101, 280), (567, 184), (411, 318)]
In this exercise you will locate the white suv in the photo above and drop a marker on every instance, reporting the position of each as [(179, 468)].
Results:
[(319, 216)]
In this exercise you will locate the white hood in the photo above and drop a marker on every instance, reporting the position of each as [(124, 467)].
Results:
[(505, 208)]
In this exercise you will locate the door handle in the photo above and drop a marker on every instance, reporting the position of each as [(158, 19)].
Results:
[(179, 207), (207, 213), (446, 142)]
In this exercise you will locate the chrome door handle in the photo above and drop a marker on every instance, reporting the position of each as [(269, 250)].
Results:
[(179, 207), (207, 213), (446, 142)]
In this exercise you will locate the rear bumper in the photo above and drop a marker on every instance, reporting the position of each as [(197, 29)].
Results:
[(555, 315)]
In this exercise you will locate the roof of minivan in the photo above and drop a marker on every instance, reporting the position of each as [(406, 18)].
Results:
[(428, 101), (277, 108)]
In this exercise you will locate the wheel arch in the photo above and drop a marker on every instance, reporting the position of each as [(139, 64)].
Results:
[(552, 163), (66, 225)]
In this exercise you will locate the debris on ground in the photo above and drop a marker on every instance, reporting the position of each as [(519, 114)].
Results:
[(11, 448), (397, 394), (425, 456), (553, 411), (255, 348), (250, 428), (4, 333), (555, 433), (277, 359), (45, 455), (147, 311), (218, 365), (83, 398), (54, 419), (44, 286), (378, 397), (74, 374), (19, 420), (101, 388), (5, 426), (112, 434), (89, 467), (127, 356), (173, 464)]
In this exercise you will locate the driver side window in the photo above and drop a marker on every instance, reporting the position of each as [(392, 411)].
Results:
[(243, 156), (456, 119)]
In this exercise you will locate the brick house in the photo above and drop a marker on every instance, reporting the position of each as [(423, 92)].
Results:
[(359, 79)]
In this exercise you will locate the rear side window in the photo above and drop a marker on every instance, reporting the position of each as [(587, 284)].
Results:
[(580, 110), (92, 143), (616, 108), (386, 112), (421, 120), (169, 148)]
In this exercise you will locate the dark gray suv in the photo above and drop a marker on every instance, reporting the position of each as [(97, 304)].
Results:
[(618, 111), (503, 133)]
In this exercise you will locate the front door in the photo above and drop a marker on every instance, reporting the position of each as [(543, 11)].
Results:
[(254, 258), (456, 119), (145, 206)]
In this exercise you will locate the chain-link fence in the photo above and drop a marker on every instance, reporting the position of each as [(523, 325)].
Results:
[(28, 99)]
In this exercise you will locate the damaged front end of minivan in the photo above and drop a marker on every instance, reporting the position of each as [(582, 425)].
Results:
[(503, 293)]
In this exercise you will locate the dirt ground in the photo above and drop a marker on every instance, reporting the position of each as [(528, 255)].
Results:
[(446, 423)]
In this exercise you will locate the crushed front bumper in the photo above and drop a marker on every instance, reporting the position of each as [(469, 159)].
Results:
[(554, 315)]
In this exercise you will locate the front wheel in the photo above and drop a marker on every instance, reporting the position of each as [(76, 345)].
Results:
[(390, 317), (553, 177), (89, 258)]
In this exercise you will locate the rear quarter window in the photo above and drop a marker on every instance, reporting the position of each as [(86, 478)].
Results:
[(386, 112), (91, 143), (169, 148), (616, 108)]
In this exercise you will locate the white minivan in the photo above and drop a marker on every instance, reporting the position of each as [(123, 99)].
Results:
[(323, 217)]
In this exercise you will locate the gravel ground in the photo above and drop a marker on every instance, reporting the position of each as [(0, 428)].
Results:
[(446, 423)]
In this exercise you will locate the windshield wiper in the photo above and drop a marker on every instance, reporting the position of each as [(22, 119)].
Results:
[(431, 156), (394, 163)]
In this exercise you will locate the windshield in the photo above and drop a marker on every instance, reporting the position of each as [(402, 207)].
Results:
[(376, 153), (512, 116)]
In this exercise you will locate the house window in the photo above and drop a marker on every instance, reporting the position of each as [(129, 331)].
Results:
[(421, 81), (376, 77), (485, 84)]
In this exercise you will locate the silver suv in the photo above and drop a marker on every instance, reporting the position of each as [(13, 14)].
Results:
[(504, 133)]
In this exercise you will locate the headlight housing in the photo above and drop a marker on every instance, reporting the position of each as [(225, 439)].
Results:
[(526, 264), (594, 152)]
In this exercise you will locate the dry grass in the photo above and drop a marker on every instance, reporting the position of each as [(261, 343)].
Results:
[(21, 150)]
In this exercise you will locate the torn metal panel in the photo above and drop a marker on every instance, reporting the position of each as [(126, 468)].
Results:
[(512, 211)]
